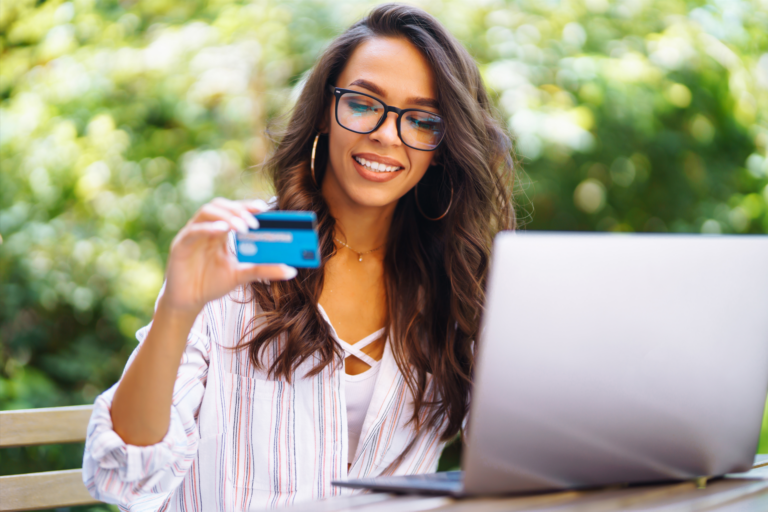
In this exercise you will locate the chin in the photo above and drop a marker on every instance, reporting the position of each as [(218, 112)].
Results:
[(373, 197)]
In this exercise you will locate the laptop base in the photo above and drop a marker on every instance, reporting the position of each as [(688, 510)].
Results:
[(444, 483)]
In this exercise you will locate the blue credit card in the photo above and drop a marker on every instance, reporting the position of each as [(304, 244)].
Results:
[(288, 237)]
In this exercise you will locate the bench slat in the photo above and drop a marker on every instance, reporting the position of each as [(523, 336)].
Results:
[(44, 426), (51, 489)]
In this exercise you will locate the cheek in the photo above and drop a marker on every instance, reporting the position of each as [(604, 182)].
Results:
[(340, 143)]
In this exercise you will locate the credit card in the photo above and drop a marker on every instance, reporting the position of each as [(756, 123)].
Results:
[(288, 237)]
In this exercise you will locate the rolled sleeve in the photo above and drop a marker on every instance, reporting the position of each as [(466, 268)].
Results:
[(124, 474)]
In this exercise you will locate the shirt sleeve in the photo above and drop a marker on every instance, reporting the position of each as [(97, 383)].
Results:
[(120, 473)]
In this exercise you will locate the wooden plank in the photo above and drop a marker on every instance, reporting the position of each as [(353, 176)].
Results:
[(52, 489), (44, 426), (680, 497), (668, 498), (718, 493), (513, 503), (407, 504), (749, 504), (373, 502), (673, 497), (336, 503)]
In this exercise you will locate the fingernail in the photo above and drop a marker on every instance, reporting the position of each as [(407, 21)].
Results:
[(221, 225), (240, 225), (260, 204), (289, 272), (252, 222)]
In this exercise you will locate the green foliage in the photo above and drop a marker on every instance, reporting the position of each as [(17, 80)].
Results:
[(763, 448), (118, 119)]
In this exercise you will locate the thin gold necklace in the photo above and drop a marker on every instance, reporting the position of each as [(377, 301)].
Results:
[(359, 254)]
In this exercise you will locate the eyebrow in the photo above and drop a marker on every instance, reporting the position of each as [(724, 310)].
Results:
[(413, 100)]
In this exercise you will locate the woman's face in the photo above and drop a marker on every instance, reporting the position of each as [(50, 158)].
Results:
[(394, 71)]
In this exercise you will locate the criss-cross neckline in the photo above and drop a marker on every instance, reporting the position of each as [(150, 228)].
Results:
[(356, 348)]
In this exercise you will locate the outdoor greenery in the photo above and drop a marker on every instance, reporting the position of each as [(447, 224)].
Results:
[(119, 118)]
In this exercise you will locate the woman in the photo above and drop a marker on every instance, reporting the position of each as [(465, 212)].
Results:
[(267, 403)]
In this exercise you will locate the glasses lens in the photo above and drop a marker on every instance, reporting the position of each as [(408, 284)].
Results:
[(359, 113), (422, 130)]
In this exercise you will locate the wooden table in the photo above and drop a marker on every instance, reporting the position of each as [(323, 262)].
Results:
[(56, 489), (746, 492)]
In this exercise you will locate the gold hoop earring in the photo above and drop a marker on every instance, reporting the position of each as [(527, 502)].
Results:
[(312, 161), (416, 197)]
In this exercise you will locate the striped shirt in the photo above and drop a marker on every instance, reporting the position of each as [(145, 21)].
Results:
[(240, 440)]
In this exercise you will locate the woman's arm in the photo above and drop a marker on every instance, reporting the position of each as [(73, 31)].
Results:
[(200, 269), (142, 403), (118, 472)]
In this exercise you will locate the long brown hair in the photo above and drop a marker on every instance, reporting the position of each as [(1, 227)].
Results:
[(435, 271)]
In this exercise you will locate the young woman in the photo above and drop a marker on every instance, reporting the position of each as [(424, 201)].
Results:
[(256, 386)]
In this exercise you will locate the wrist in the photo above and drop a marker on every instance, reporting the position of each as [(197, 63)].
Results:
[(172, 314)]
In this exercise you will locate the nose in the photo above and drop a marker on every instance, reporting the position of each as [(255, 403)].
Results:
[(386, 134)]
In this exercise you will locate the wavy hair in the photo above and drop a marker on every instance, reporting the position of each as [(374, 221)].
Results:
[(435, 271)]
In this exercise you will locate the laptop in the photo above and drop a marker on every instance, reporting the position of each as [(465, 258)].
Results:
[(610, 359)]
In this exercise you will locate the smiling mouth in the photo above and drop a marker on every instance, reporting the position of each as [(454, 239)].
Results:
[(375, 166)]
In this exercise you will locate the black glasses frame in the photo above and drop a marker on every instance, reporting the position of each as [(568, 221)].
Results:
[(338, 92)]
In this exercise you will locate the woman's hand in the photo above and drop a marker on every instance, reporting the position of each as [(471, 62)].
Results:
[(201, 267)]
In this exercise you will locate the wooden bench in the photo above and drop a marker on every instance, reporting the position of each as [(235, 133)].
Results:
[(51, 489)]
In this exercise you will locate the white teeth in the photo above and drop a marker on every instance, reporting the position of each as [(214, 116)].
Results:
[(376, 166)]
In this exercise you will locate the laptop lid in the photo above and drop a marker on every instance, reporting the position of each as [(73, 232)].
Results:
[(618, 358)]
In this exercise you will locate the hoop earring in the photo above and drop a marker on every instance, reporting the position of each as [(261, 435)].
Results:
[(416, 197), (312, 161)]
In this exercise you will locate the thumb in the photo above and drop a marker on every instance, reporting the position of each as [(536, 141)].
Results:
[(249, 272)]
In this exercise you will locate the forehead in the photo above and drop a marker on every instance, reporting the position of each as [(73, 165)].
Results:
[(394, 64)]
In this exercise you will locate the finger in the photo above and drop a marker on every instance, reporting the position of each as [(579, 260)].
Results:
[(193, 233), (213, 213), (255, 206), (199, 230), (247, 272), (237, 208)]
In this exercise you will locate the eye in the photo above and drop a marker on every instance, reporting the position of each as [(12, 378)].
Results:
[(361, 107), (423, 124)]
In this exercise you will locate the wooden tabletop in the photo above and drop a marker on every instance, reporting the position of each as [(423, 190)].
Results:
[(745, 492)]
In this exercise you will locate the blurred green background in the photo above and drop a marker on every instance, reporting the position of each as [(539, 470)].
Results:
[(119, 118)]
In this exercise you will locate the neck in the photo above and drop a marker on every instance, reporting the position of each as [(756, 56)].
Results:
[(361, 227)]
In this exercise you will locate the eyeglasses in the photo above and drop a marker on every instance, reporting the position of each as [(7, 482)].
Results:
[(362, 113)]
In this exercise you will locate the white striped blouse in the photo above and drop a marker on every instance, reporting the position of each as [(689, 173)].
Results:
[(239, 440)]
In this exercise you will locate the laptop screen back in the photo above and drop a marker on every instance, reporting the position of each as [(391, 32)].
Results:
[(618, 358)]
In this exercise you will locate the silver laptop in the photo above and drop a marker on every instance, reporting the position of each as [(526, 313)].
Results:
[(609, 359)]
